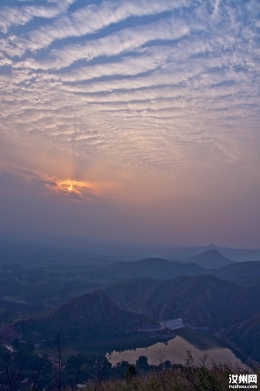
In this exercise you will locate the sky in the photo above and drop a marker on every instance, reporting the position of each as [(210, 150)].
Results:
[(136, 120)]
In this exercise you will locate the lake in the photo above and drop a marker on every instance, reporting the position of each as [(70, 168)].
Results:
[(198, 342)]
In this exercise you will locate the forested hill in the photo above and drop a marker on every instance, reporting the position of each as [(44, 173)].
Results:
[(91, 315), (239, 272), (202, 301), (150, 267), (162, 269), (245, 335)]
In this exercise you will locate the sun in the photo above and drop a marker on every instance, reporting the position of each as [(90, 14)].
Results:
[(74, 187)]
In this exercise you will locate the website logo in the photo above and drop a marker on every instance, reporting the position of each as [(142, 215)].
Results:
[(243, 381)]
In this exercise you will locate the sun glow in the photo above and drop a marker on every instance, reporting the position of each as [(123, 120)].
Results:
[(79, 188)]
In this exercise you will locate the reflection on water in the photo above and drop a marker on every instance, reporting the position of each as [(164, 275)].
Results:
[(175, 350)]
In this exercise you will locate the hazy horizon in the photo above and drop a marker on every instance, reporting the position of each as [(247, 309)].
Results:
[(130, 122)]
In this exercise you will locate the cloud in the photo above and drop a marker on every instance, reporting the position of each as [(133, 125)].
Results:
[(126, 40), (92, 18), (161, 92), (127, 66), (14, 16), (71, 187)]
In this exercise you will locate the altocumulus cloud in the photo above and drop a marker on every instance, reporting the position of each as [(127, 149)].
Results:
[(156, 82)]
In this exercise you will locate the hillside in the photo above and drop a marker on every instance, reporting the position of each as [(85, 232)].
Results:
[(252, 281), (161, 269), (210, 259), (201, 301), (246, 336), (150, 267), (239, 272), (90, 316)]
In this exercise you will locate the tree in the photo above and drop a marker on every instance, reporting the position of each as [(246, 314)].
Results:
[(130, 373)]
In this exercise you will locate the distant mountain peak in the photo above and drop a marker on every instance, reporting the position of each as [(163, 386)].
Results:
[(210, 259), (212, 252)]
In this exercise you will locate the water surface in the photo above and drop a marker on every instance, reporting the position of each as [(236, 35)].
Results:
[(199, 343)]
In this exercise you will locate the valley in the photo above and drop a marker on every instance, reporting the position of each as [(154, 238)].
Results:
[(124, 310)]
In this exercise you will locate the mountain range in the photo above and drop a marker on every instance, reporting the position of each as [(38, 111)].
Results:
[(204, 302), (201, 301), (224, 299), (240, 272), (246, 273), (151, 267), (210, 259)]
